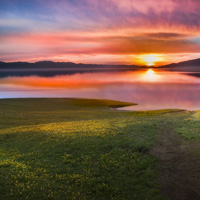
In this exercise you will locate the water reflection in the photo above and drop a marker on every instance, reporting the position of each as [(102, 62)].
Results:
[(150, 75), (151, 89)]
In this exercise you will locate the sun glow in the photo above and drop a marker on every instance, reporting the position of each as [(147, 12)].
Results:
[(150, 59)]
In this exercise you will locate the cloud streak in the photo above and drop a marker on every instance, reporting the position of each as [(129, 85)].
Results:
[(31, 30)]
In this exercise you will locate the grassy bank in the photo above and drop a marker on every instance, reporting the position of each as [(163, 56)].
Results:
[(79, 149)]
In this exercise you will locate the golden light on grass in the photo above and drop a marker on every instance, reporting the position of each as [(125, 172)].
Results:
[(150, 59)]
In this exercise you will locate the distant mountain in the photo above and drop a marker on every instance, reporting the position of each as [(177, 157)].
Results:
[(49, 68), (58, 65), (37, 65), (186, 66)]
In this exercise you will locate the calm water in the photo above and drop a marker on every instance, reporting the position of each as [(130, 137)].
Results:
[(150, 89)]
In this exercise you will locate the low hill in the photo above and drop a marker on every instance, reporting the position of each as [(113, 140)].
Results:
[(187, 66), (49, 68)]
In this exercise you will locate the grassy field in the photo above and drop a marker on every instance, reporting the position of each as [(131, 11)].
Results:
[(81, 149)]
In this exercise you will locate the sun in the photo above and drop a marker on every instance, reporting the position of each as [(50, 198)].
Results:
[(150, 59)]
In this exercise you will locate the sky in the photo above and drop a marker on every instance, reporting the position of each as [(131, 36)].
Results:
[(101, 32)]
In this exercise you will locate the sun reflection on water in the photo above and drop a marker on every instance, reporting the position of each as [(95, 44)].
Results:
[(151, 89), (150, 75)]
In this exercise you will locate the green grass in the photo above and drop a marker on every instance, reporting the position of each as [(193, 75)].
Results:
[(79, 149), (20, 112), (189, 126)]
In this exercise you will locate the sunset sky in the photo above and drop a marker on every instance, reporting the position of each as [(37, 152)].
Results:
[(100, 31)]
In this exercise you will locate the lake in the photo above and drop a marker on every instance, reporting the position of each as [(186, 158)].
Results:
[(150, 89)]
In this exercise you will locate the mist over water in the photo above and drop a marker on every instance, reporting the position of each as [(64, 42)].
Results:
[(151, 89)]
